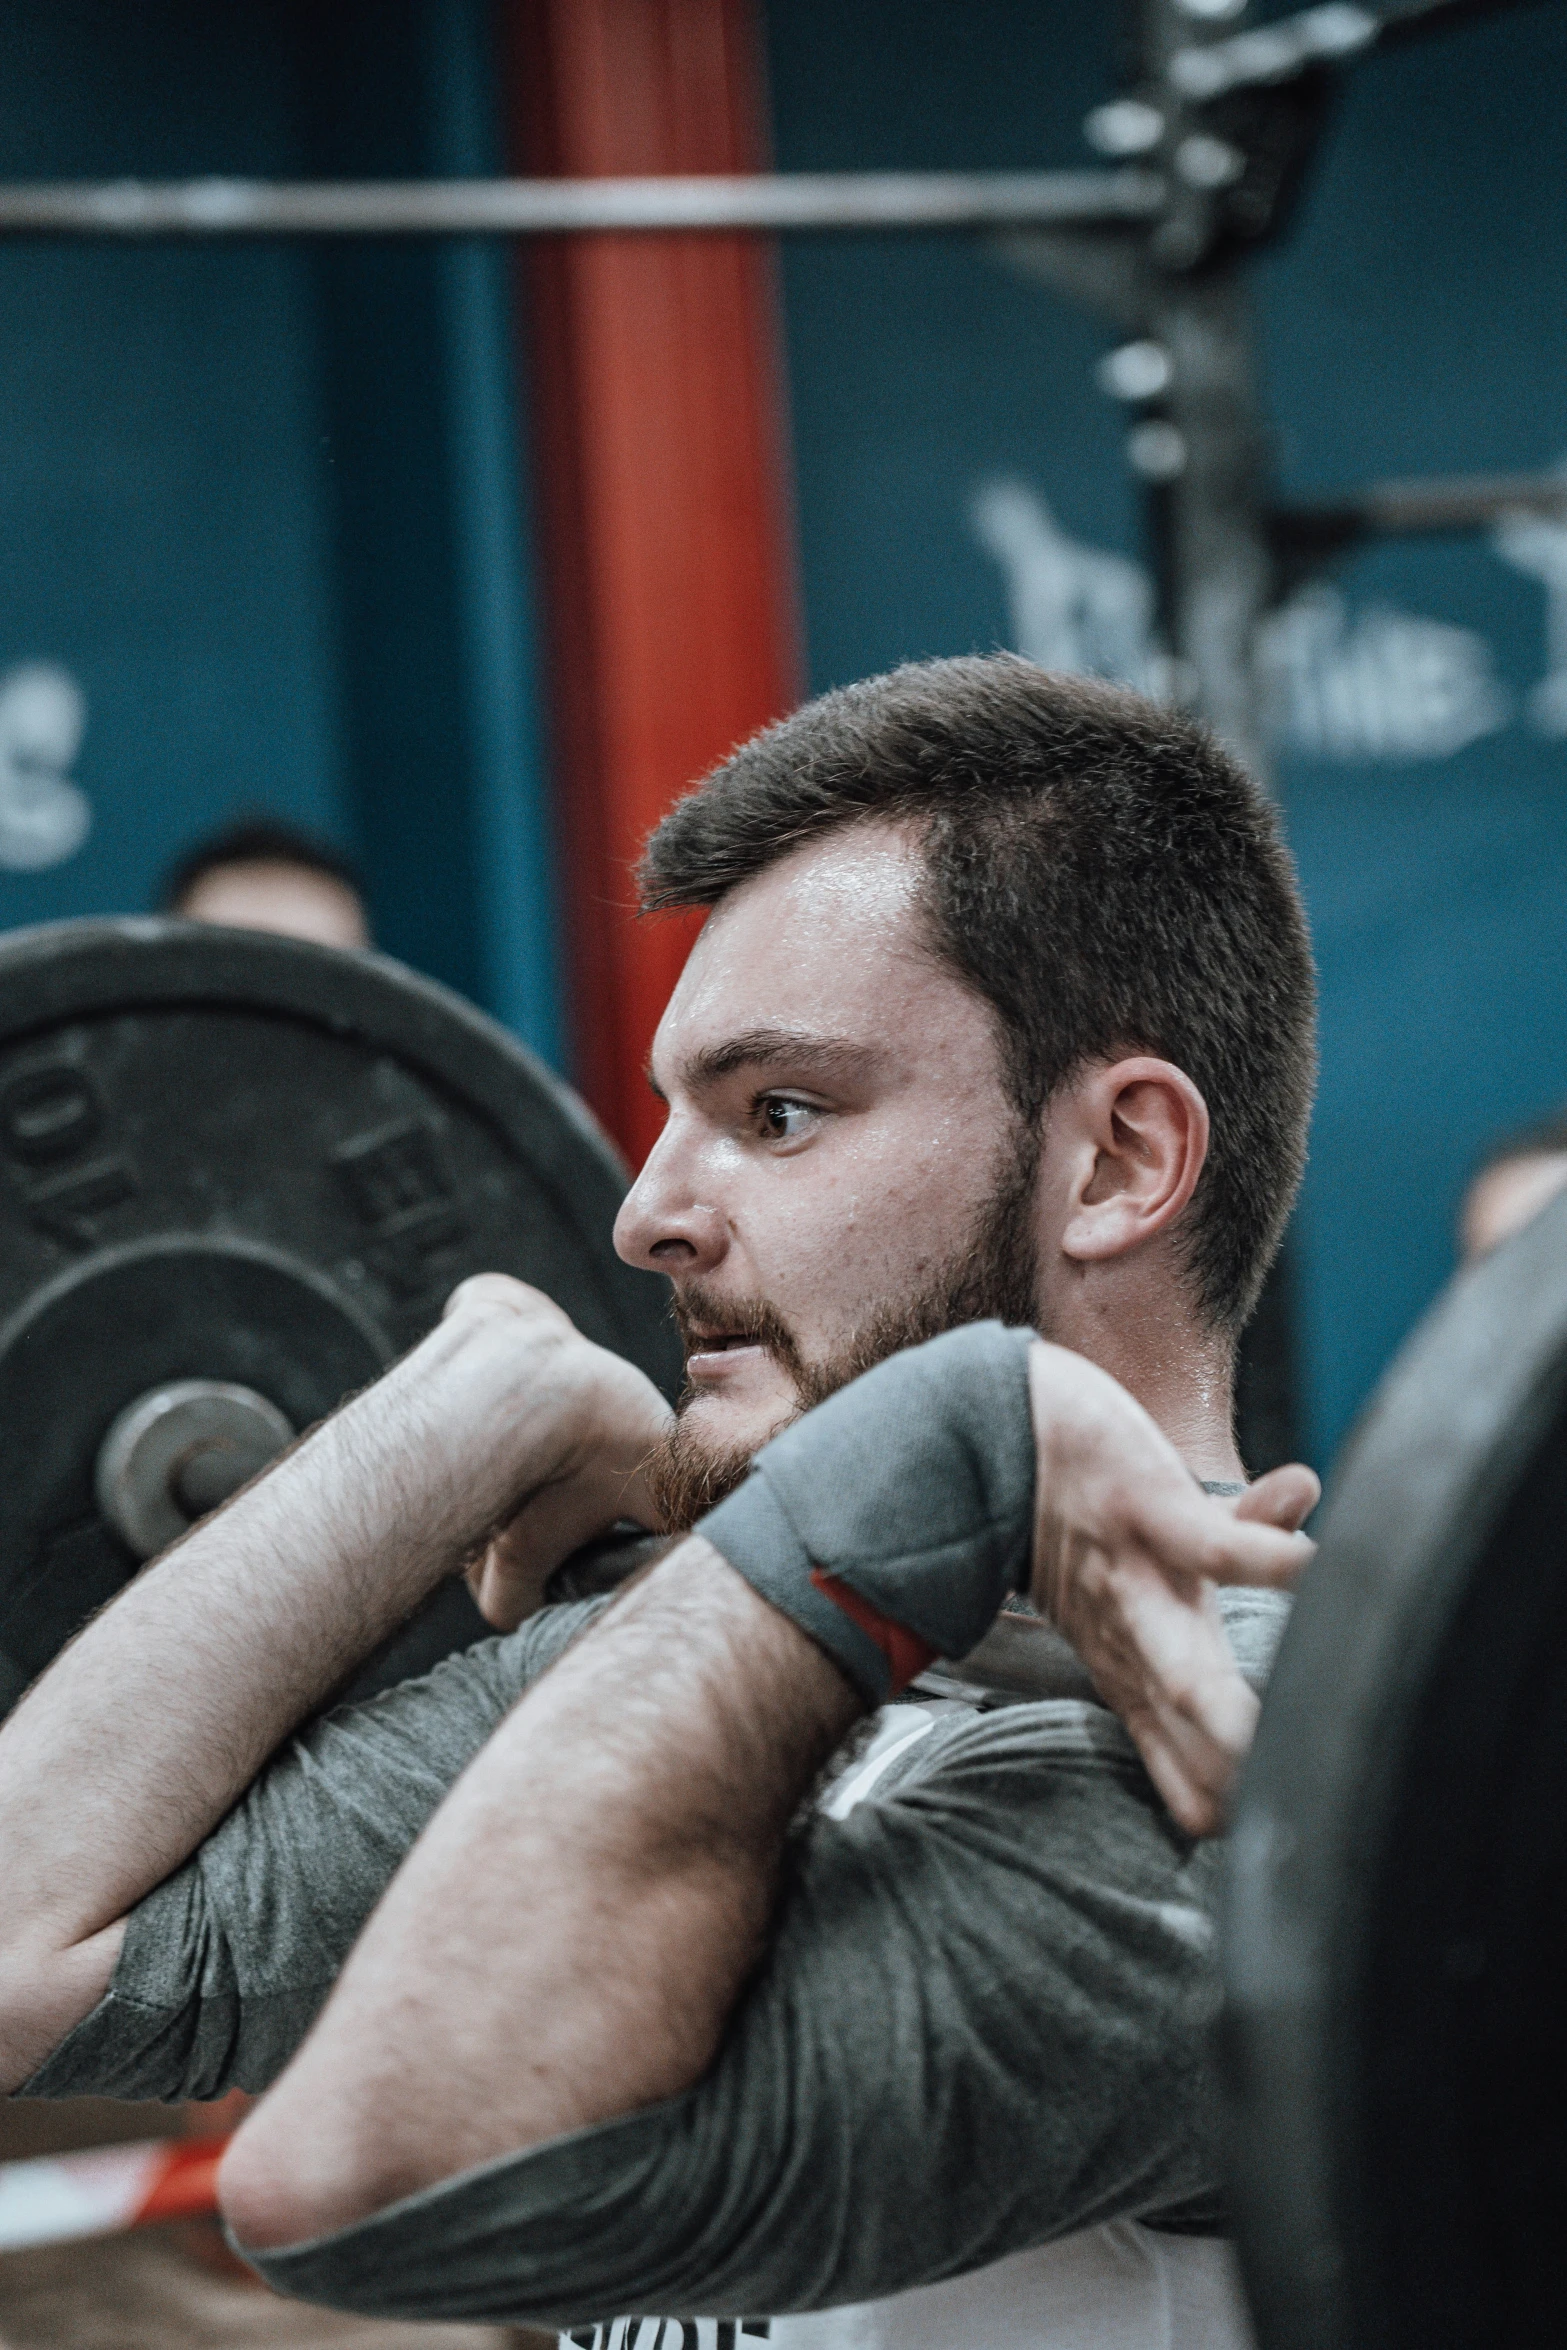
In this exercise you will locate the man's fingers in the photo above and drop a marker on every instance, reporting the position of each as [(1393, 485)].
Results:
[(489, 1294), (1176, 1660), (1210, 1723), (503, 1598), (1192, 1754), (1192, 1771), (1193, 1805), (1247, 1553), (1285, 1497), (508, 1581), (1183, 1532), (1165, 1665)]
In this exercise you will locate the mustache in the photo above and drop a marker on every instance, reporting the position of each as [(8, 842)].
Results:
[(699, 1309), (686, 1475)]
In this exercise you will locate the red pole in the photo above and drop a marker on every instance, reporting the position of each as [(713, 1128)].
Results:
[(661, 465)]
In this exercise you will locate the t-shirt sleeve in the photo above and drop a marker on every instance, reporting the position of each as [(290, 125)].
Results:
[(984, 2021), (226, 1964)]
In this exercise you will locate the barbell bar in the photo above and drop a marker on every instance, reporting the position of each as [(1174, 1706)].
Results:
[(761, 203)]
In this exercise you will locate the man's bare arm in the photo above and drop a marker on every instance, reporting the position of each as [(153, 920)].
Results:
[(567, 1941), (637, 1800), (149, 1727)]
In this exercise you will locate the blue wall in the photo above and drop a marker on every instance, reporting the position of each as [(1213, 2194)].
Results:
[(162, 503), (261, 502), (1417, 321), (1418, 324)]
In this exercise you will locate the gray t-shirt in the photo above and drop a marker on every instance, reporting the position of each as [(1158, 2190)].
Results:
[(983, 2023)]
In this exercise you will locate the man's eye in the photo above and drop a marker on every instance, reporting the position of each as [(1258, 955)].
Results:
[(784, 1120)]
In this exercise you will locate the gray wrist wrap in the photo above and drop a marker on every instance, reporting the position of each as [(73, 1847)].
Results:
[(914, 1486)]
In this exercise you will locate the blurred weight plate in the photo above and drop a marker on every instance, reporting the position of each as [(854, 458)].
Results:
[(1396, 1932), (239, 1176)]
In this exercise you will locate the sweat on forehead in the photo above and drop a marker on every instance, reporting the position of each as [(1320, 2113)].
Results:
[(825, 955), (869, 874)]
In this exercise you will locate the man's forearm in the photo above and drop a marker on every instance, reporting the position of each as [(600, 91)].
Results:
[(153, 1722), (636, 1803)]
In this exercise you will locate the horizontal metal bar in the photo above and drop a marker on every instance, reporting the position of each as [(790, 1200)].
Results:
[(781, 203), (1330, 34), (1394, 509), (1415, 19), (1466, 504)]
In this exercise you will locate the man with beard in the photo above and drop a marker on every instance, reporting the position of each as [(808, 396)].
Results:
[(1002, 1016)]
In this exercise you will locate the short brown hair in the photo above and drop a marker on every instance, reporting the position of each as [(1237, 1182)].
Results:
[(1098, 868)]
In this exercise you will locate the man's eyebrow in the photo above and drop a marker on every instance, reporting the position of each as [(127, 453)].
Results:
[(832, 1056)]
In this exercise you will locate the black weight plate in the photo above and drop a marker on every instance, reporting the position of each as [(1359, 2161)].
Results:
[(232, 1156), (1395, 1938)]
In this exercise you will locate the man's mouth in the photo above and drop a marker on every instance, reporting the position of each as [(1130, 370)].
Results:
[(713, 1354), (727, 1338)]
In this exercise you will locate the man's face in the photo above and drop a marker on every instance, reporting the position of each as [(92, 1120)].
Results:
[(842, 1170)]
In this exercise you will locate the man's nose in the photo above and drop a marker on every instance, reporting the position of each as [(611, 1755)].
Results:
[(663, 1224)]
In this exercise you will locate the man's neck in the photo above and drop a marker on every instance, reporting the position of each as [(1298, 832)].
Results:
[(1183, 1377), (1200, 1423)]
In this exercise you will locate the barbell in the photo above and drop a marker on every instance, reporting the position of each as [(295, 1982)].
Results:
[(1395, 1942)]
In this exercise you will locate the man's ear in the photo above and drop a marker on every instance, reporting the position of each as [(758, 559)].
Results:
[(1132, 1137)]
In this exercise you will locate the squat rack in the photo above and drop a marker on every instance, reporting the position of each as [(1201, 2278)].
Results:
[(1206, 151)]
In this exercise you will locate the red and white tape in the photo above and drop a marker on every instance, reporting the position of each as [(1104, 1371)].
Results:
[(98, 2192)]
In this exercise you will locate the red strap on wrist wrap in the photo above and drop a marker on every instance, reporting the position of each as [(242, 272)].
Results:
[(906, 1653)]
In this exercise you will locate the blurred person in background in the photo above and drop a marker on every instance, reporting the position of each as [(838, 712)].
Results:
[(1517, 1177), (263, 875)]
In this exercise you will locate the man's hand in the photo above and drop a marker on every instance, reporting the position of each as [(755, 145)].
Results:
[(1128, 1550), (594, 1419)]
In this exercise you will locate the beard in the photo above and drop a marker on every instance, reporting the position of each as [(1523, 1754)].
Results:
[(991, 1276)]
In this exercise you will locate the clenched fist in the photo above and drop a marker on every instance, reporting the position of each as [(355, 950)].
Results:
[(574, 1423)]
